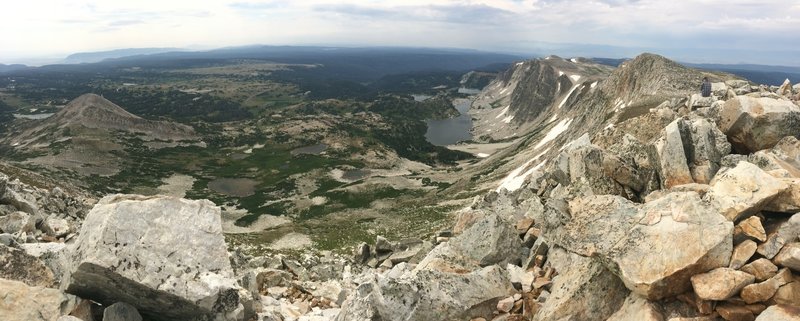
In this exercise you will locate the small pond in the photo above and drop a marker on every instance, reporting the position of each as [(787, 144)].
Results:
[(313, 149), (237, 187), (356, 174)]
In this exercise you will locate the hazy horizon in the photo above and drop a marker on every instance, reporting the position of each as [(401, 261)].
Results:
[(701, 31)]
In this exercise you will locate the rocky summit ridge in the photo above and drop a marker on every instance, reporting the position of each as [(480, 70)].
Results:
[(686, 208)]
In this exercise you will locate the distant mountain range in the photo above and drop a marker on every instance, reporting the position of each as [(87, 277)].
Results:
[(369, 63), (4, 68), (97, 56)]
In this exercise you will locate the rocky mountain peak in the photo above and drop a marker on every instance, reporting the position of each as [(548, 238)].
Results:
[(93, 115), (94, 111)]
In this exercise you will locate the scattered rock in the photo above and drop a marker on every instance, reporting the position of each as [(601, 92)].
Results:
[(778, 235), (780, 313), (785, 89), (743, 191), (731, 312), (720, 284), (594, 225), (762, 269), (56, 227), (787, 294), (505, 305), (761, 292), (742, 253), (789, 256), (121, 311), (141, 250), (16, 222), (749, 228)]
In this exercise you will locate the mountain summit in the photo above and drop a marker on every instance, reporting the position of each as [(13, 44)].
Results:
[(94, 114), (93, 111)]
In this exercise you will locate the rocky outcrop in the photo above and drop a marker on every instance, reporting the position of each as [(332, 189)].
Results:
[(23, 302), (753, 124), (140, 250)]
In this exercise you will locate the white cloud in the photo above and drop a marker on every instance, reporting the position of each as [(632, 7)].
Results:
[(40, 27)]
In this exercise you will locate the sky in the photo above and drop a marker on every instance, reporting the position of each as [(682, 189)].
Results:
[(721, 31)]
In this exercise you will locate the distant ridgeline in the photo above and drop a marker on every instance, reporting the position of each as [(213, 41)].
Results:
[(760, 74)]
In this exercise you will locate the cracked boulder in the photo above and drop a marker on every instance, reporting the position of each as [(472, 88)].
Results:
[(165, 256), (490, 240), (753, 124), (583, 290), (690, 151), (743, 191), (676, 236)]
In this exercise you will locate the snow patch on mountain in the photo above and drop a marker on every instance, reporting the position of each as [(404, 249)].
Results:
[(559, 128)]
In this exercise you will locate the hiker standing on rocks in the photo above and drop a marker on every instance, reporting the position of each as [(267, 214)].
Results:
[(705, 88)]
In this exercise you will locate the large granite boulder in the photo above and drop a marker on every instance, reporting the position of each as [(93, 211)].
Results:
[(22, 302), (743, 191), (583, 290), (677, 236), (593, 226), (690, 151), (753, 124), (672, 155), (490, 240), (165, 256), (428, 295)]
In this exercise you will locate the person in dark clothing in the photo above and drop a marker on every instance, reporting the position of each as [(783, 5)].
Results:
[(705, 88)]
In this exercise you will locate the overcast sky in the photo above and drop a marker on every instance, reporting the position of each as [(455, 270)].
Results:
[(725, 31)]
